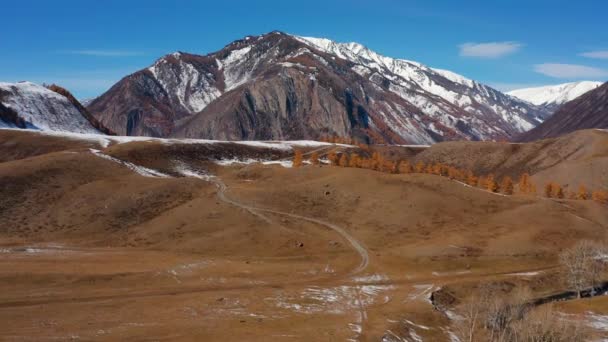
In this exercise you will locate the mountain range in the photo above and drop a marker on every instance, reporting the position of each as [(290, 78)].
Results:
[(283, 87), (280, 86)]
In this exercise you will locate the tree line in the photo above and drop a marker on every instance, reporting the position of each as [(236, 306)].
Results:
[(504, 185)]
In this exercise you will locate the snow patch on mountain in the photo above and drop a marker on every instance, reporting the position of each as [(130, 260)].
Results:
[(44, 109), (414, 81), (233, 76), (554, 94), (183, 82)]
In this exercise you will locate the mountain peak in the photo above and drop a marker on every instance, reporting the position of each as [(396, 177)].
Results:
[(278, 86), (555, 95)]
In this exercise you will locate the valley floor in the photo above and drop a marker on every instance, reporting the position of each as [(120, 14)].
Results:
[(92, 250)]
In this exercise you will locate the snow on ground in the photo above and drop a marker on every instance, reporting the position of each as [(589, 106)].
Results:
[(420, 326), (144, 171), (108, 140), (332, 300), (186, 171), (598, 322), (421, 292), (283, 163), (526, 274), (443, 274)]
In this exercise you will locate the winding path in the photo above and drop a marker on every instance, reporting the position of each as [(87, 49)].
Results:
[(356, 245)]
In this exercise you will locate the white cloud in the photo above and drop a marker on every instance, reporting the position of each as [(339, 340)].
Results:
[(103, 53), (571, 71), (595, 54), (489, 50)]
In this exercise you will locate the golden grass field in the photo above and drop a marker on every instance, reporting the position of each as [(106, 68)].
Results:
[(92, 250)]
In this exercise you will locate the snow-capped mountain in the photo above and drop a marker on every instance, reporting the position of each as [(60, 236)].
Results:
[(589, 110), (554, 96), (279, 86), (28, 105)]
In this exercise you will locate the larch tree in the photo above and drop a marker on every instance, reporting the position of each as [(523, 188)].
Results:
[(390, 166), (491, 184), (472, 180), (376, 162), (600, 196), (437, 169), (314, 158), (333, 158), (419, 168), (507, 185), (297, 158), (549, 190), (524, 183), (582, 193), (404, 167), (354, 161), (481, 182), (452, 173), (343, 160), (559, 192)]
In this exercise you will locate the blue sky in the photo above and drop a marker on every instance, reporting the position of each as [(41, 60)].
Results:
[(87, 45)]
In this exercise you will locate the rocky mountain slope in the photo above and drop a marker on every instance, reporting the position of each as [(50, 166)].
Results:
[(28, 105), (587, 111), (552, 97), (279, 86)]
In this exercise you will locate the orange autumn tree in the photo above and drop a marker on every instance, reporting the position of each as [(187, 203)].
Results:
[(404, 167), (524, 183), (437, 169), (333, 158), (314, 158), (472, 180), (365, 163), (343, 160), (355, 160), (452, 173), (582, 193), (297, 158), (600, 196), (376, 162), (389, 166), (558, 191), (481, 182), (507, 185), (419, 168), (549, 190), (491, 184)]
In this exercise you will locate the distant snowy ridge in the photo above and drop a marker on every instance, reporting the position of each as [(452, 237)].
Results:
[(554, 94), (43, 109)]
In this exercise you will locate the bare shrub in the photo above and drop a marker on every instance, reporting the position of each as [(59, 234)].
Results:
[(496, 317), (544, 325), (584, 262)]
